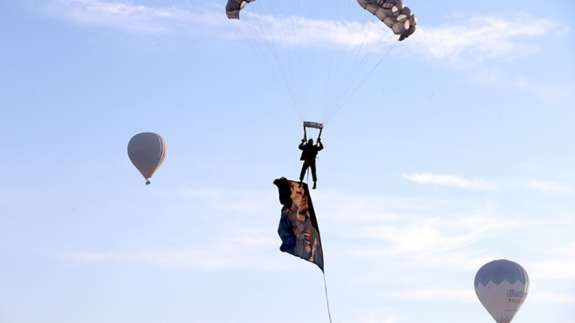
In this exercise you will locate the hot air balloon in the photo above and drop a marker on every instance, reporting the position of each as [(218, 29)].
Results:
[(147, 151), (502, 287)]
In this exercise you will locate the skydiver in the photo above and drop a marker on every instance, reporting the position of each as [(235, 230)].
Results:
[(308, 155)]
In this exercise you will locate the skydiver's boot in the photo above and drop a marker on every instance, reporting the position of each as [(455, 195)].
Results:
[(314, 185)]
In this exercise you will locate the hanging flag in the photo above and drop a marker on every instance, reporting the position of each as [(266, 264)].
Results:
[(298, 227)]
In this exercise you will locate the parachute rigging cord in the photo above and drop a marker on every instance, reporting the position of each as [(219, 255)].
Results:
[(326, 297), (257, 27), (278, 31), (352, 90)]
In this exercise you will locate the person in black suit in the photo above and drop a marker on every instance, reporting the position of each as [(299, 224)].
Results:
[(308, 155)]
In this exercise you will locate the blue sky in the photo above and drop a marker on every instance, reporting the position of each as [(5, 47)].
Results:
[(454, 151)]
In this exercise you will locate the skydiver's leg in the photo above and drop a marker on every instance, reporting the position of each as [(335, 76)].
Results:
[(313, 171), (303, 170), (313, 174)]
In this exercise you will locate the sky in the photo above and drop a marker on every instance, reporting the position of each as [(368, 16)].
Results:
[(443, 152)]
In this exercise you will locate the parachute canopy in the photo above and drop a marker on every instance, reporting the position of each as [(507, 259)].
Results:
[(147, 151), (393, 14), (298, 226), (502, 287), (233, 8)]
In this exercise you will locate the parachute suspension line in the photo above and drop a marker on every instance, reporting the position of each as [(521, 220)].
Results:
[(351, 91), (330, 81), (278, 75), (359, 49), (280, 68), (356, 56), (290, 90), (285, 58), (260, 51), (326, 297), (363, 57), (255, 48), (298, 59), (284, 71), (273, 51)]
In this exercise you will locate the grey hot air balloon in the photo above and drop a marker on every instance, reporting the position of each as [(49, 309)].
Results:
[(147, 151), (502, 287)]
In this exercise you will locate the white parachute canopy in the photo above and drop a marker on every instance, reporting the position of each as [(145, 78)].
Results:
[(502, 287)]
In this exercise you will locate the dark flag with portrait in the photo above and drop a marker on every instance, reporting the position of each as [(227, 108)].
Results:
[(298, 227)]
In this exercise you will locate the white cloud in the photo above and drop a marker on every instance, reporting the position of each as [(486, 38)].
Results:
[(423, 231), (476, 38), (468, 296), (482, 37), (247, 202), (554, 269), (375, 319), (305, 32), (435, 235), (434, 295), (240, 252), (450, 181), (445, 243), (423, 236), (557, 266), (550, 187), (549, 92), (366, 209), (129, 17), (551, 297)]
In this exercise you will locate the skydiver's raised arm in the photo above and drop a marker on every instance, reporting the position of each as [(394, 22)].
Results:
[(302, 144), (319, 145)]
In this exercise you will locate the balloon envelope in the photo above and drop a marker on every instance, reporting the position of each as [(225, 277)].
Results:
[(147, 151), (502, 287)]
